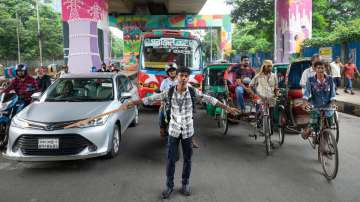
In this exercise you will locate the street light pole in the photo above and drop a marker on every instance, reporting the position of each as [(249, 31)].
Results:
[(18, 37), (211, 46), (39, 33)]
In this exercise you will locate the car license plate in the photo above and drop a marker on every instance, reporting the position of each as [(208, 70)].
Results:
[(49, 143)]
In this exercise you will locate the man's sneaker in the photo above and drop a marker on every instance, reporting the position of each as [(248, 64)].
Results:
[(166, 193), (352, 93), (337, 93), (346, 91), (185, 189)]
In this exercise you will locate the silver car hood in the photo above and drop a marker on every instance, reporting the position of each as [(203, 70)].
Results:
[(63, 111)]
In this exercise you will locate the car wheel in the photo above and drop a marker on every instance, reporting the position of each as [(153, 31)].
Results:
[(135, 121), (115, 143)]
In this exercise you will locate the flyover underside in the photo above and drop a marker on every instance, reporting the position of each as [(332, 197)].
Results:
[(155, 7), (134, 25)]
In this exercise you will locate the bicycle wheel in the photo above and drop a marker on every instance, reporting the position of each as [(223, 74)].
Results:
[(281, 127), (329, 156), (266, 128), (336, 125)]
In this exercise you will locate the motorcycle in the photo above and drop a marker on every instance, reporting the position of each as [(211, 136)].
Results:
[(10, 105)]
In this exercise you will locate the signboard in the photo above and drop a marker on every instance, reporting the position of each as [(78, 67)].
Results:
[(169, 43), (326, 53)]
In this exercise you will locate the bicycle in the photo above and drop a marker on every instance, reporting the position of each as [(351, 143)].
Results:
[(324, 139)]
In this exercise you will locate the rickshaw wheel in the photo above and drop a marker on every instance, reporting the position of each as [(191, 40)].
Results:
[(281, 129), (223, 120)]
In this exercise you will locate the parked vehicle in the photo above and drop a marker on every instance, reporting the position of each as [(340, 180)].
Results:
[(37, 133)]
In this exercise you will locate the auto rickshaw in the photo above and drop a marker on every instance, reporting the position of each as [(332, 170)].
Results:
[(215, 85)]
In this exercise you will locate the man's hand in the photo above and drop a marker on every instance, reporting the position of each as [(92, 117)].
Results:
[(132, 104), (232, 110), (306, 106), (333, 104)]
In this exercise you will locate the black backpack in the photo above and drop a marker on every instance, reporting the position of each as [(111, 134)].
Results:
[(168, 103)]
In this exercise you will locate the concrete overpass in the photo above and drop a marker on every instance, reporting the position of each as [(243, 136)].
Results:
[(86, 25), (155, 7)]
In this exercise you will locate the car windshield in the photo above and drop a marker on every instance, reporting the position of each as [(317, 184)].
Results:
[(81, 90), (158, 52)]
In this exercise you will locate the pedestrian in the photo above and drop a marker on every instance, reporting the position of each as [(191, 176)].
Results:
[(104, 68), (64, 70), (43, 79), (335, 72), (181, 127), (309, 72), (349, 70)]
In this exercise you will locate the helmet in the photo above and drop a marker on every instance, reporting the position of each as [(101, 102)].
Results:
[(21, 67), (170, 66)]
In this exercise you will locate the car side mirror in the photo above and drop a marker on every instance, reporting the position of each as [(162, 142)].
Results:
[(125, 96), (36, 96)]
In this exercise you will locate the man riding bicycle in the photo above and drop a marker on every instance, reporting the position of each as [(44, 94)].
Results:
[(24, 85), (265, 84), (319, 93)]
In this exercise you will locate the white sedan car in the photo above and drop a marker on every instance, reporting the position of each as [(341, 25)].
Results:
[(37, 133)]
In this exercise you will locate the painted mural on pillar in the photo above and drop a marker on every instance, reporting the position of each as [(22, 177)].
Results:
[(293, 26), (86, 19), (133, 26), (83, 9)]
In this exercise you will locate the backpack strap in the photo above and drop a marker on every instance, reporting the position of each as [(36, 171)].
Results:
[(193, 97)]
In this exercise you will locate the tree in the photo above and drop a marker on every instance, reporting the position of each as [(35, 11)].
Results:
[(211, 37), (254, 25), (117, 49), (51, 31)]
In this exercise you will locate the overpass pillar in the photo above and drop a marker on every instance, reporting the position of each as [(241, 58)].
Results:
[(86, 31), (293, 24)]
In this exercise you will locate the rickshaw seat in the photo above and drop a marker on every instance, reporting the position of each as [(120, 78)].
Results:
[(295, 93)]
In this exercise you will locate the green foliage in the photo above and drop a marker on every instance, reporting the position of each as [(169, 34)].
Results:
[(117, 48), (211, 37), (255, 25), (51, 31), (342, 33)]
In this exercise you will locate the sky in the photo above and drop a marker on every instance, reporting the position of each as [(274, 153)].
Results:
[(215, 7)]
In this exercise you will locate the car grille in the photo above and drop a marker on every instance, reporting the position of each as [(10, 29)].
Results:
[(69, 144), (49, 126)]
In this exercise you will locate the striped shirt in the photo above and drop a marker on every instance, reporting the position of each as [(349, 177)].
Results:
[(181, 120)]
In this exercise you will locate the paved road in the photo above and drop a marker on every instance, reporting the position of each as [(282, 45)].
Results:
[(225, 168)]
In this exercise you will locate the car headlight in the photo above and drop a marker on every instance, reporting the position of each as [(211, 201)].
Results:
[(19, 123), (96, 122)]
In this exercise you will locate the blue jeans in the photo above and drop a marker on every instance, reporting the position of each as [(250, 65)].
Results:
[(239, 92), (348, 84), (172, 151)]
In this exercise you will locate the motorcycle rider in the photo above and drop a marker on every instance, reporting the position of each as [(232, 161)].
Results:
[(24, 85)]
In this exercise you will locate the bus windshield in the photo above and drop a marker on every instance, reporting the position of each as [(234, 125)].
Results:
[(158, 52)]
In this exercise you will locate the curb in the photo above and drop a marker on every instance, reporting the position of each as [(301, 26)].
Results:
[(348, 108)]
